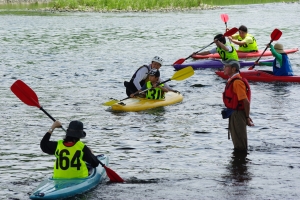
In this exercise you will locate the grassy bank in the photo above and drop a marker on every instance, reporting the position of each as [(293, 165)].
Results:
[(135, 5)]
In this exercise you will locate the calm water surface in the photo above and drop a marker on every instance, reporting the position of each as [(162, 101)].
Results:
[(77, 61)]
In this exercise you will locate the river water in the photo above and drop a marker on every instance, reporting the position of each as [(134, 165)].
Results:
[(77, 61)]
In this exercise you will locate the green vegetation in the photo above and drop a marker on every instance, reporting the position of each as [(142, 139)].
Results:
[(135, 5)]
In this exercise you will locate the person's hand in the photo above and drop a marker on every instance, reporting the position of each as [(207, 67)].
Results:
[(256, 63), (176, 91), (249, 121), (268, 45), (56, 124), (132, 95)]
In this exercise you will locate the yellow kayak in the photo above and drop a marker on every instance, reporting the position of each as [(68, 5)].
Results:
[(139, 104)]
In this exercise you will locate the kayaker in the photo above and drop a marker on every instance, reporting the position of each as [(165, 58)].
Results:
[(140, 77), (236, 97), (225, 50), (281, 64), (154, 89), (246, 41), (71, 154)]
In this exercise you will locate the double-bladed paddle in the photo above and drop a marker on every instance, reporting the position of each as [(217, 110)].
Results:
[(178, 76), (275, 35), (225, 19), (29, 97), (226, 34)]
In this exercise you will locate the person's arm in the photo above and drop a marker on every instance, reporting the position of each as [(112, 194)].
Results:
[(140, 75), (89, 157), (278, 56), (270, 64), (46, 145), (247, 112), (203, 53), (246, 40), (223, 46), (239, 88)]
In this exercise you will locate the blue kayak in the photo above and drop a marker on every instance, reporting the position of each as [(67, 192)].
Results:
[(214, 63), (64, 188)]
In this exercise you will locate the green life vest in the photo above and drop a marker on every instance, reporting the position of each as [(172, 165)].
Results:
[(154, 93), (69, 163), (248, 47), (225, 55)]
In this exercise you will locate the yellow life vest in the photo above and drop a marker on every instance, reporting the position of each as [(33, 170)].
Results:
[(69, 163), (154, 93), (225, 55), (248, 47)]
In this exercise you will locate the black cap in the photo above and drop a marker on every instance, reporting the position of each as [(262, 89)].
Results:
[(75, 130)]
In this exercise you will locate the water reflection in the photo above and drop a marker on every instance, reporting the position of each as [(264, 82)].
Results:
[(238, 174)]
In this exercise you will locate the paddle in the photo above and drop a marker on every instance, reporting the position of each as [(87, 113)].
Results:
[(226, 34), (178, 76), (29, 97), (275, 35), (225, 19)]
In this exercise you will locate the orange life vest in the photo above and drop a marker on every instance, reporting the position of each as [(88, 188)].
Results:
[(230, 98)]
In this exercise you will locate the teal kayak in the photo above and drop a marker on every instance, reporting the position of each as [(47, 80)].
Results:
[(64, 188)]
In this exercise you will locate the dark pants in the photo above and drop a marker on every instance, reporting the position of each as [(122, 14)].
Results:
[(130, 88)]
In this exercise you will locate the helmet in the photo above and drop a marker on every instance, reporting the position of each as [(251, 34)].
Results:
[(158, 60)]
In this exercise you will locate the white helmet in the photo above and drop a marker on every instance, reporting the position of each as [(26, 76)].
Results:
[(158, 60)]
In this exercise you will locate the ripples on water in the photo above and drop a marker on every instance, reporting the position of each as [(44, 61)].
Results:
[(77, 61)]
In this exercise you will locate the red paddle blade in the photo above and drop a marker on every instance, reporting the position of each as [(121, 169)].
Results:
[(179, 61), (276, 34), (25, 93), (231, 32), (224, 17), (113, 176)]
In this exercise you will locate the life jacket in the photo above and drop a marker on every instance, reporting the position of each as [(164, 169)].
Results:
[(230, 98), (225, 55), (154, 93), (142, 82), (248, 47), (285, 69), (69, 163)]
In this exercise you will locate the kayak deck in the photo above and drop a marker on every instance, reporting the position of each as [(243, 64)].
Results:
[(139, 104), (262, 76), (64, 188), (244, 54), (213, 63)]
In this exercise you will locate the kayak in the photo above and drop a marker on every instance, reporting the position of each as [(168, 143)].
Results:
[(64, 188), (140, 104), (245, 54), (262, 76), (213, 63)]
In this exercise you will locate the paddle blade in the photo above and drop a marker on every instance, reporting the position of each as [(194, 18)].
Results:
[(111, 102), (179, 61), (25, 93), (231, 32), (224, 17), (276, 34), (113, 176), (183, 74)]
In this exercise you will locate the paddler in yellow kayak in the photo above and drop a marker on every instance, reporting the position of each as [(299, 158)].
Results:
[(140, 77), (225, 50), (246, 42), (153, 88)]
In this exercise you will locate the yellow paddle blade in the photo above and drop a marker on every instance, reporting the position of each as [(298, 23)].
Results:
[(183, 74), (111, 102)]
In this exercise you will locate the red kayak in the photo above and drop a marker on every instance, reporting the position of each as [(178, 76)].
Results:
[(245, 54), (262, 76)]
